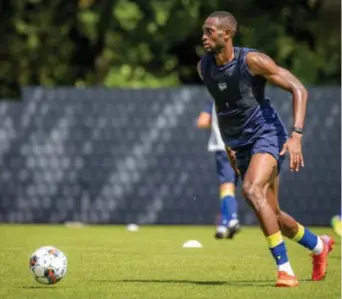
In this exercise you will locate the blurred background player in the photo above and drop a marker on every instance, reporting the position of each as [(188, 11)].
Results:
[(337, 225), (228, 224)]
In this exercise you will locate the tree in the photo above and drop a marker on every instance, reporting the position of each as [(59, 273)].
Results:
[(153, 43)]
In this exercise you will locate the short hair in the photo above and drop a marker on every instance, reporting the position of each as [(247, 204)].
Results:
[(226, 19)]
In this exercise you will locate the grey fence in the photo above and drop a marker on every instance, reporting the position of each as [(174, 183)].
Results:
[(118, 156)]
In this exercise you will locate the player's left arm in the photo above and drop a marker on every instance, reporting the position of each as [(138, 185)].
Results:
[(262, 65), (204, 119), (199, 70)]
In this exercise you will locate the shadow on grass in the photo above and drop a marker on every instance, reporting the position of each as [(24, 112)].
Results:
[(238, 283), (38, 287), (46, 287)]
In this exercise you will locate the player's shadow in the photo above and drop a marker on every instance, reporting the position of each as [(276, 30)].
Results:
[(38, 287), (239, 283)]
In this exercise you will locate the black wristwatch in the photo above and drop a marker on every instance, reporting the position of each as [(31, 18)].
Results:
[(297, 130)]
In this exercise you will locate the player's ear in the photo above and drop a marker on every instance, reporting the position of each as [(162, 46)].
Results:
[(229, 33)]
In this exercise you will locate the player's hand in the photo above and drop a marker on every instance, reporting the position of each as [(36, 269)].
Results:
[(294, 147)]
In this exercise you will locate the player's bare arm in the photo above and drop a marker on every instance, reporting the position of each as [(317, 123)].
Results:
[(204, 120), (262, 65), (232, 160)]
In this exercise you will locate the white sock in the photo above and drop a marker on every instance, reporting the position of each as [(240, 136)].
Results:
[(286, 267), (221, 229), (319, 247), (233, 222)]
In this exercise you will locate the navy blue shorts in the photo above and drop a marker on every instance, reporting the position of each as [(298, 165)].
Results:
[(270, 142), (225, 172)]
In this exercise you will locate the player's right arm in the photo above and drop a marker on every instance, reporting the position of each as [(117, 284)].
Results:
[(262, 65), (232, 160)]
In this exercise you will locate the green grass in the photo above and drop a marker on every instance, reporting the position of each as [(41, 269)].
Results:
[(110, 262)]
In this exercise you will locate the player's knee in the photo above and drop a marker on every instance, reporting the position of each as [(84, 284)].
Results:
[(253, 192), (282, 217), (227, 189)]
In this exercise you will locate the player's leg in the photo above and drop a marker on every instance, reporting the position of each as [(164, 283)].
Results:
[(318, 245), (288, 225), (261, 172), (228, 208), (228, 205), (290, 228)]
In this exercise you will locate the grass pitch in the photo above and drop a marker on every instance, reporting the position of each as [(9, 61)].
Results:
[(110, 262)]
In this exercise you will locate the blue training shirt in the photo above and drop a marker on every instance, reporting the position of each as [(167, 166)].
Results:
[(243, 110)]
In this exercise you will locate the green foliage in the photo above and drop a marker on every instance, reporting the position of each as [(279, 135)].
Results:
[(153, 43)]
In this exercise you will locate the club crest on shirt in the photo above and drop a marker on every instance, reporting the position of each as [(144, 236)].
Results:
[(222, 86)]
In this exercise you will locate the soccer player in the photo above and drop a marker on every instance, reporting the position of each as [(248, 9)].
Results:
[(256, 139), (228, 223)]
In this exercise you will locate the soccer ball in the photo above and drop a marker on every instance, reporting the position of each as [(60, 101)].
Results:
[(48, 265)]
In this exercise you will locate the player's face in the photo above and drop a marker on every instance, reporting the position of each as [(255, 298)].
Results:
[(213, 37)]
